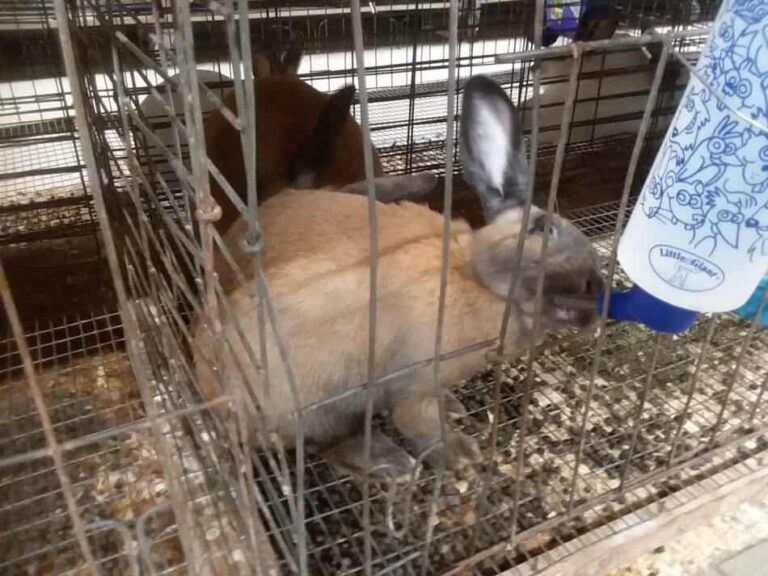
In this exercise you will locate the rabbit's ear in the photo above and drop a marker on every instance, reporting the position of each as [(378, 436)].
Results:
[(292, 58), (316, 153), (492, 147), (262, 68), (396, 188), (269, 61)]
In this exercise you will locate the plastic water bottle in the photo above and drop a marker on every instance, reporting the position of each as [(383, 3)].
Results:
[(697, 239)]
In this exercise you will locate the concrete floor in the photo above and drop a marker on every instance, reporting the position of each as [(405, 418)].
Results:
[(752, 561), (733, 544)]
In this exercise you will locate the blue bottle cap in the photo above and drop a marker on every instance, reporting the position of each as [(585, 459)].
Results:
[(561, 18), (637, 305)]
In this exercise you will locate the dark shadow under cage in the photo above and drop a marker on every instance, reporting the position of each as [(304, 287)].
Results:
[(113, 466)]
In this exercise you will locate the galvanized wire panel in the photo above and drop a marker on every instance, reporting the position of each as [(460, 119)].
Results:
[(574, 433), (90, 404), (47, 223)]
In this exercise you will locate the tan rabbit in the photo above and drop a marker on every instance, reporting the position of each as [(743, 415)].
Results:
[(316, 264)]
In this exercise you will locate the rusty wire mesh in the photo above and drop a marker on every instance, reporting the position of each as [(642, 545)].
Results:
[(159, 478)]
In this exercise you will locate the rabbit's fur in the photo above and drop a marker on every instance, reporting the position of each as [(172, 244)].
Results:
[(316, 265), (270, 60)]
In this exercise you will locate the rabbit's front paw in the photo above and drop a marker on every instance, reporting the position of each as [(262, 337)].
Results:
[(387, 462), (458, 451), (453, 406)]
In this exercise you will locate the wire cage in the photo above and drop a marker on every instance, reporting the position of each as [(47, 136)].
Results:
[(132, 442)]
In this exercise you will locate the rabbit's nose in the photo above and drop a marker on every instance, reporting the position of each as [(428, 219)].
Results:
[(581, 299), (594, 284)]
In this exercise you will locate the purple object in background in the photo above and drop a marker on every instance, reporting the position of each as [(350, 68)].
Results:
[(561, 18)]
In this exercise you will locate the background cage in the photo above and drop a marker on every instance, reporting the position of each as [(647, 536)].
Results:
[(117, 466)]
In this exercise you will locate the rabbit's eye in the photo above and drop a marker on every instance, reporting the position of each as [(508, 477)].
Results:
[(539, 224)]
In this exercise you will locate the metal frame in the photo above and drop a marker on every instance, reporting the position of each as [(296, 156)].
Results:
[(239, 510)]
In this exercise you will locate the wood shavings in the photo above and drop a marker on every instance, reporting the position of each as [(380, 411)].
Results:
[(469, 515), (106, 380), (537, 543), (137, 485), (462, 486), (463, 514), (168, 551)]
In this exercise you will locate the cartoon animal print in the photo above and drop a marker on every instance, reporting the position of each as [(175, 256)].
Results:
[(744, 200), (754, 159), (762, 45), (722, 222), (756, 227), (740, 83), (751, 8), (686, 202), (694, 116), (711, 176), (753, 15), (676, 202), (716, 61), (712, 156), (652, 197), (741, 38), (739, 69)]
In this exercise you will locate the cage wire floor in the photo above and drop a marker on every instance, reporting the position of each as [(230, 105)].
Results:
[(41, 191), (120, 487), (48, 227)]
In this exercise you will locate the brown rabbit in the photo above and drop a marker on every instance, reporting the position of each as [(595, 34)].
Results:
[(268, 61), (305, 138), (316, 264)]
